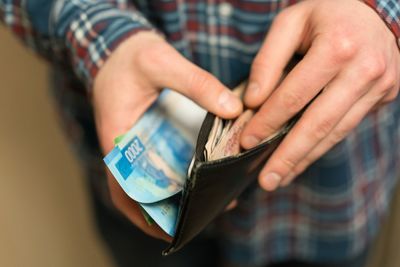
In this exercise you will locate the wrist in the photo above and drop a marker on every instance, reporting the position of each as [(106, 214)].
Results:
[(92, 32), (389, 12)]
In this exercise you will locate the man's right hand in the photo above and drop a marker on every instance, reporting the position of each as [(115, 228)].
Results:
[(130, 81)]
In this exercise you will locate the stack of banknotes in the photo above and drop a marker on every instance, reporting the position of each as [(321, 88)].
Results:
[(151, 160), (224, 137)]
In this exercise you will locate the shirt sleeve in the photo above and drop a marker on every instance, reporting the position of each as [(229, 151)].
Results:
[(389, 11), (78, 33)]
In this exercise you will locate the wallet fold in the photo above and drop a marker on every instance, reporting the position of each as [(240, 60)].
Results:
[(212, 185)]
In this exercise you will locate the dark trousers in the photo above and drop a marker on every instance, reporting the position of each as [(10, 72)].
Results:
[(131, 248)]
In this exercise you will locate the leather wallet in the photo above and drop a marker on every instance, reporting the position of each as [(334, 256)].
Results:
[(212, 185)]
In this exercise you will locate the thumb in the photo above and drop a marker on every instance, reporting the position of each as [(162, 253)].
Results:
[(174, 71)]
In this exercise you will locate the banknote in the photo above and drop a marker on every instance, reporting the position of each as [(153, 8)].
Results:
[(228, 143), (150, 161), (164, 213), (224, 137)]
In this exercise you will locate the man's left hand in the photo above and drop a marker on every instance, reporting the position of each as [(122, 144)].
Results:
[(349, 52)]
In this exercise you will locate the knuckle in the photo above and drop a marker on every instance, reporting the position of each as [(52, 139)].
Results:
[(389, 99), (264, 126), (342, 47), (337, 136), (199, 82), (259, 65), (291, 101), (373, 67), (391, 96), (288, 163), (322, 129), (382, 103), (358, 91), (389, 81)]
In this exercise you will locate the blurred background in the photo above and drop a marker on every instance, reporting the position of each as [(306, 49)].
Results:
[(45, 217)]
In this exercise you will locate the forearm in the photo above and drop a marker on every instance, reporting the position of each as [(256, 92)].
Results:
[(81, 34)]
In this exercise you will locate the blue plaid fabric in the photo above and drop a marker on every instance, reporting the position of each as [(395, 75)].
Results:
[(330, 213)]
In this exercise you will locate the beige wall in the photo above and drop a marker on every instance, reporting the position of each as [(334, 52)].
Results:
[(387, 248), (44, 213)]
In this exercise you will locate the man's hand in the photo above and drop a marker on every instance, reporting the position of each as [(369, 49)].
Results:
[(130, 81), (349, 52)]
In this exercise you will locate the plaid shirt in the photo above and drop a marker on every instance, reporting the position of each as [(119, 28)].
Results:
[(331, 212)]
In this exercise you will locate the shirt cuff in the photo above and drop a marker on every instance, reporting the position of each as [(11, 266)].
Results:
[(92, 31), (389, 11)]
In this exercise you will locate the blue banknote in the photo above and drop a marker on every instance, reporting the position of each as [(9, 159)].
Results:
[(164, 213), (150, 161)]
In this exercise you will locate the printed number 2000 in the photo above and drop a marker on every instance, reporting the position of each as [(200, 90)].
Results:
[(134, 150)]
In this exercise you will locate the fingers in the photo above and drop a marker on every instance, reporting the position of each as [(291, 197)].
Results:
[(132, 211), (380, 91), (392, 78), (315, 125), (300, 86), (204, 89), (342, 129), (170, 69), (278, 48)]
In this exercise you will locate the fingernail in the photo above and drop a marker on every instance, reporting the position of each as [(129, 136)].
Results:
[(253, 89), (229, 101), (251, 141), (271, 181)]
